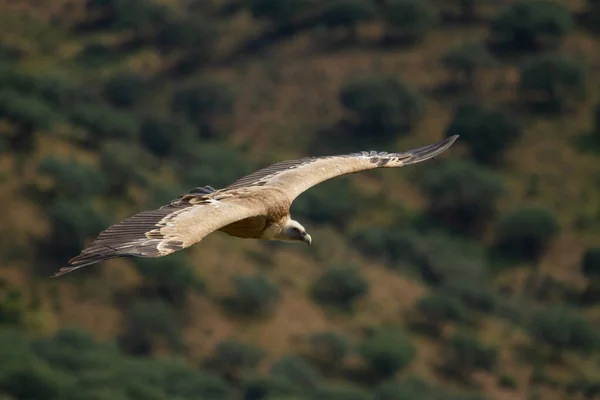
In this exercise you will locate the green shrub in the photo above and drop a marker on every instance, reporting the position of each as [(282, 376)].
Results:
[(94, 55), (124, 89), (279, 13), (72, 179), (267, 387), (388, 244), (123, 164), (34, 381), (233, 358), (465, 61), (334, 202), (526, 233), (461, 195), (204, 101), (488, 133), (147, 321), (188, 33), (406, 389), (468, 354), (529, 26), (437, 308), (339, 287), (348, 14), (340, 392), (381, 106), (563, 329), (328, 350), (254, 295), (160, 134), (103, 123), (212, 164), (29, 114), (408, 21), (12, 307), (387, 351), (170, 278), (297, 371), (551, 83), (590, 263), (72, 222)]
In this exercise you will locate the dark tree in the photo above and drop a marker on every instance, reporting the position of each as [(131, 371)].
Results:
[(464, 62), (487, 132), (339, 287), (408, 21), (387, 351), (551, 83), (526, 233), (348, 14), (461, 195), (381, 106), (530, 26)]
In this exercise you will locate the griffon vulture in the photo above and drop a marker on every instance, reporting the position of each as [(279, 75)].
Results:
[(256, 206)]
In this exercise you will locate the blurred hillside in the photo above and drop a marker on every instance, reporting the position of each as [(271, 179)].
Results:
[(472, 276)]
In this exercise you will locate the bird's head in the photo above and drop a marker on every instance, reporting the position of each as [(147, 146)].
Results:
[(293, 231)]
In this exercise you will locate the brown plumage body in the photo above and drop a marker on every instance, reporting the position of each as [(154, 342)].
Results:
[(256, 206)]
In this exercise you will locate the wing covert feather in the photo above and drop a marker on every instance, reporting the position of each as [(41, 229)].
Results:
[(296, 176)]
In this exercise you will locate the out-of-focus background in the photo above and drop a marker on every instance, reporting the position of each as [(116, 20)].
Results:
[(472, 276)]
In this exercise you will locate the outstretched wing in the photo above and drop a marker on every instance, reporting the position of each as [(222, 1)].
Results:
[(175, 226), (295, 176)]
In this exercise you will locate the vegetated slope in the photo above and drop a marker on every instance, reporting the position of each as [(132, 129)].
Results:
[(477, 272)]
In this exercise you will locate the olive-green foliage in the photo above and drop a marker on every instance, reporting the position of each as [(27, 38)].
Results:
[(487, 132), (530, 25), (386, 351), (201, 102), (124, 89), (186, 33), (563, 328), (340, 392), (72, 221), (525, 233), (348, 13), (279, 13), (233, 358), (12, 307), (147, 321), (267, 387), (590, 263), (170, 278), (333, 202), (328, 350), (71, 365), (465, 61), (437, 308), (467, 354), (72, 179), (102, 123), (461, 195), (409, 20), (551, 83), (123, 164), (411, 388), (94, 55), (380, 107), (388, 244), (339, 287), (254, 295), (161, 134), (214, 164), (28, 113), (293, 368)]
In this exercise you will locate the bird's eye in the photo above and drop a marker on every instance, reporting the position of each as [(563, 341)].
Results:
[(295, 230)]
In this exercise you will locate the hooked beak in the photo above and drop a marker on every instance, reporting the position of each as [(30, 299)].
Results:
[(307, 239)]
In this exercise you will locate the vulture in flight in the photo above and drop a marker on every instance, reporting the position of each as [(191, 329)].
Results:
[(256, 206)]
